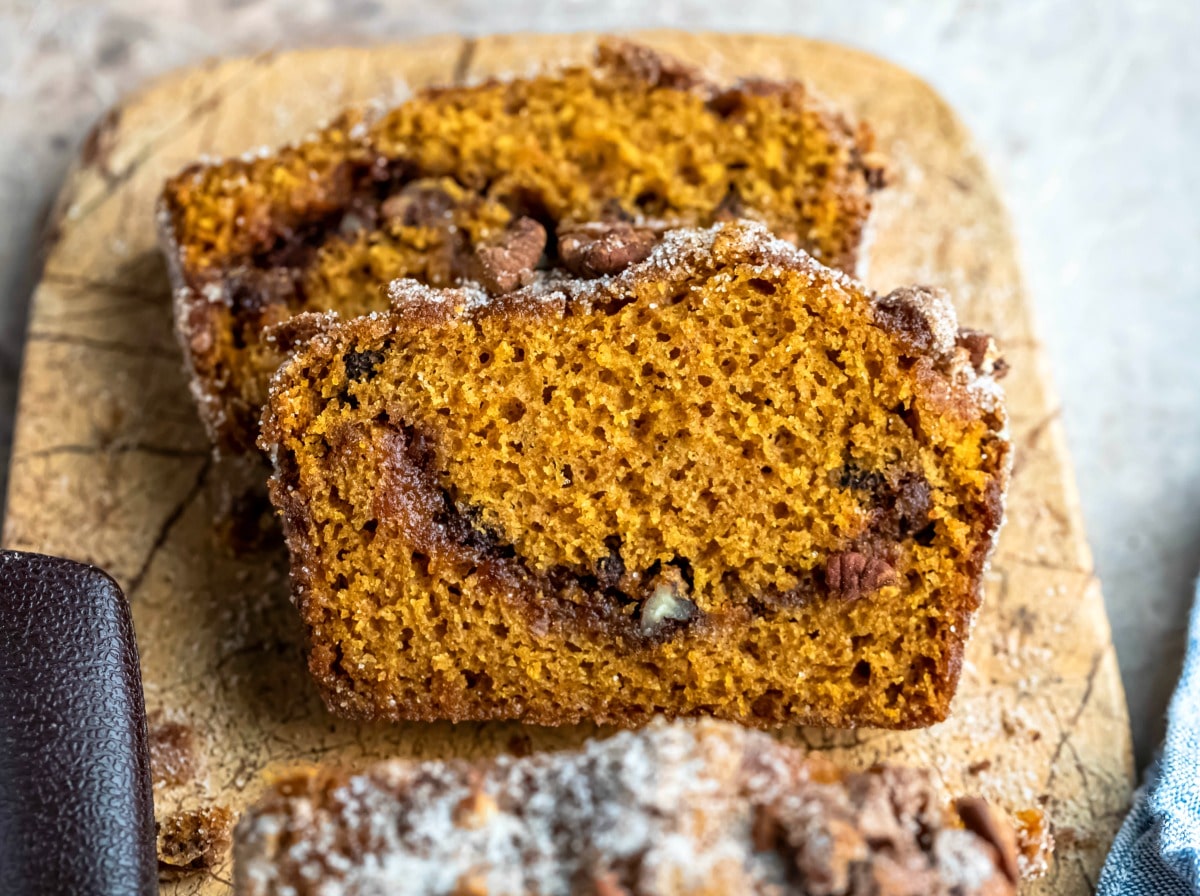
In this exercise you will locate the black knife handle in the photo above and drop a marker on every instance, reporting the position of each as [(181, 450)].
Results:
[(76, 806)]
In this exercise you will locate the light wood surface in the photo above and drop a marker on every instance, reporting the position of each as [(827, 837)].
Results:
[(110, 464)]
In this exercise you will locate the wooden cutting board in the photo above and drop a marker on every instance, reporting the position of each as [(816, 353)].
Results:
[(110, 464)]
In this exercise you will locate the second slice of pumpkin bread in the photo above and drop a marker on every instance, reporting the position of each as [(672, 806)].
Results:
[(431, 188)]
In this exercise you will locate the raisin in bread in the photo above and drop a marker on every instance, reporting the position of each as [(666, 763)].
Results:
[(726, 480), (673, 810), (421, 190)]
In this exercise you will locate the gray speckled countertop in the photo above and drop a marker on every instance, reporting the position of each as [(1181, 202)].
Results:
[(1089, 114)]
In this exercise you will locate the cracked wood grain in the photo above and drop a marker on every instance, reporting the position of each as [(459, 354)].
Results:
[(1069, 727), (104, 345), (109, 460), (1028, 443), (127, 291), (96, 153), (164, 529), (135, 447), (1012, 559)]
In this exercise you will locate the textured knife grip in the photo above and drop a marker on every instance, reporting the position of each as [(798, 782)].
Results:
[(76, 812)]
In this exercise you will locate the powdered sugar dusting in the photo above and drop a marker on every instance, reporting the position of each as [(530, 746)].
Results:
[(409, 294), (964, 863), (672, 809)]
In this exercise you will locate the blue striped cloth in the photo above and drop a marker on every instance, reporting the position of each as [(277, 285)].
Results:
[(1157, 852)]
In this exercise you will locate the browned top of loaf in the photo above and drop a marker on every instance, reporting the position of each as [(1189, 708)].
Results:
[(638, 135), (683, 809)]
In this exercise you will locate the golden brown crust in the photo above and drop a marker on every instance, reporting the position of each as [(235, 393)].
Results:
[(255, 240)]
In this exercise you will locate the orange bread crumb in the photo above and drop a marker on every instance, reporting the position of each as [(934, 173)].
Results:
[(725, 481)]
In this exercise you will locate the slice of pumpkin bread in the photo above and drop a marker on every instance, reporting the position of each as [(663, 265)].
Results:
[(421, 190), (726, 480), (704, 809)]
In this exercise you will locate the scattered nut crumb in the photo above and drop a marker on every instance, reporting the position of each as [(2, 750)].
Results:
[(1069, 837), (876, 169), (172, 751), (1035, 842), (193, 839)]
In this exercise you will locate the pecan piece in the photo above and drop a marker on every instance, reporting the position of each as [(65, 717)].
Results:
[(921, 318), (982, 350), (623, 57), (667, 601), (418, 204), (508, 263), (914, 501), (610, 570), (851, 574), (604, 249), (288, 335)]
